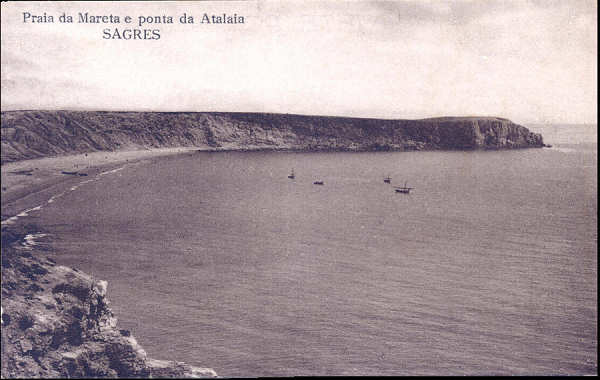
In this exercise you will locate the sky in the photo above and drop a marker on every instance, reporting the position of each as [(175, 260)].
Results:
[(529, 61)]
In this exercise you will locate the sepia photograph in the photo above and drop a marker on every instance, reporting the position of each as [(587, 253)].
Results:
[(269, 188)]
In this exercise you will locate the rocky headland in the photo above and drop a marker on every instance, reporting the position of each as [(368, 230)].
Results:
[(56, 321), (35, 134)]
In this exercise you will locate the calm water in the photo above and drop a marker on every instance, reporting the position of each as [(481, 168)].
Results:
[(220, 260)]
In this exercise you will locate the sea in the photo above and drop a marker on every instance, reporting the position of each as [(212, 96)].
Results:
[(487, 267)]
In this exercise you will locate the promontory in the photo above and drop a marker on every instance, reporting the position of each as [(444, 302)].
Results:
[(36, 134), (56, 320)]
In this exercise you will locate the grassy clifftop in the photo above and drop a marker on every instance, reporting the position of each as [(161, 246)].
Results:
[(35, 134)]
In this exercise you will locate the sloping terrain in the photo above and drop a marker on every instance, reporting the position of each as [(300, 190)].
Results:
[(36, 134), (57, 323)]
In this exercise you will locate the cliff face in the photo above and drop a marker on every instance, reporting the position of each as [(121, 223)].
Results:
[(34, 134), (56, 322)]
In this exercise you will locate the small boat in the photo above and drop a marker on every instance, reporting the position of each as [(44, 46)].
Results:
[(69, 173), (318, 183), (292, 175), (22, 172), (387, 179), (403, 189)]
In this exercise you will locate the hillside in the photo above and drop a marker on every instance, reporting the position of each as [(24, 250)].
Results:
[(57, 323), (35, 134)]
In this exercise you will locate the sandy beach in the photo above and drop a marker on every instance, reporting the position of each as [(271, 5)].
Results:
[(28, 186), (26, 183)]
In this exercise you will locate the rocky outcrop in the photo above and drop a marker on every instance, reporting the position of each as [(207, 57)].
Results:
[(57, 322), (34, 134)]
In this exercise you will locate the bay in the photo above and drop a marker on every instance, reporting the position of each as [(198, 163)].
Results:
[(218, 259)]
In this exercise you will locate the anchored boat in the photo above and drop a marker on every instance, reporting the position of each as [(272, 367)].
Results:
[(403, 189)]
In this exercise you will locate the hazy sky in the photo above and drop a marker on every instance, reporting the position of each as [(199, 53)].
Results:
[(530, 61)]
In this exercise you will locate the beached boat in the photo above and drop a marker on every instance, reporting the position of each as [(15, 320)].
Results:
[(292, 175), (403, 189), (318, 183), (22, 172)]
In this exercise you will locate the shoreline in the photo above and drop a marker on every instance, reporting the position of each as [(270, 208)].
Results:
[(146, 158), (25, 183), (26, 179), (36, 134), (57, 320)]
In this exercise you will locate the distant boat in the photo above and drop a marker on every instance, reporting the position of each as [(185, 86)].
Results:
[(387, 179), (318, 183), (403, 189), (292, 176)]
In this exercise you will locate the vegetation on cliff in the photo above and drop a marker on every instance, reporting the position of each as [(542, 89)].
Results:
[(35, 134)]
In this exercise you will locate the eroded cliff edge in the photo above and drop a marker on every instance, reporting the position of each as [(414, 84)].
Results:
[(36, 134), (57, 323)]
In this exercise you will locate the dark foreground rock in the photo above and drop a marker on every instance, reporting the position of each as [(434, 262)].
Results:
[(36, 134), (56, 322)]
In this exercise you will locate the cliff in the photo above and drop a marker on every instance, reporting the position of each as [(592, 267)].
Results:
[(57, 323), (35, 134)]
